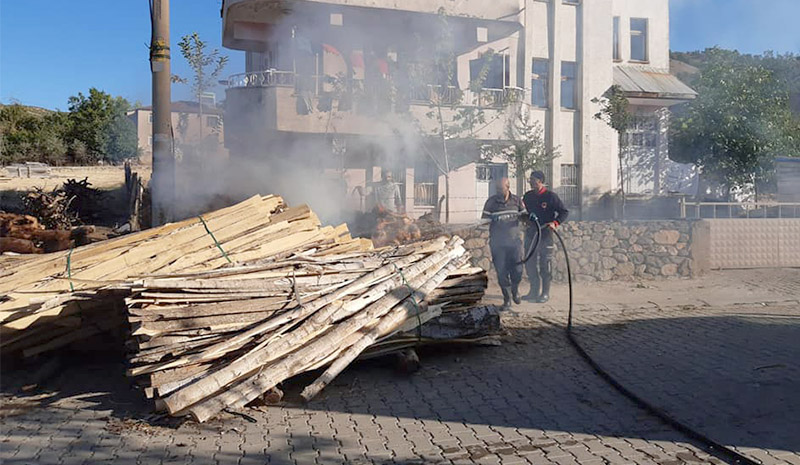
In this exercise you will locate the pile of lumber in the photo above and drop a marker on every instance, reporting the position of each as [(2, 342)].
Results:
[(222, 308), (53, 300), (209, 341)]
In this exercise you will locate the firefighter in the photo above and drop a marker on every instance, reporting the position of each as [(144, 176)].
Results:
[(504, 210), (545, 207)]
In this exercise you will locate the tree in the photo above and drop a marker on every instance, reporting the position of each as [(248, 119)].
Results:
[(206, 68), (99, 122), (524, 147), (29, 135), (740, 121), (615, 111), (452, 120)]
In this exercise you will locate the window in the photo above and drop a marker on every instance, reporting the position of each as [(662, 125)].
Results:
[(643, 133), (151, 117), (498, 74), (569, 185), (540, 83), (212, 121), (617, 54), (426, 179), (638, 39), (568, 72)]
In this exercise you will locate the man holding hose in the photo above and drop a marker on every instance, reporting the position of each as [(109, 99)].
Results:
[(503, 211), (545, 207)]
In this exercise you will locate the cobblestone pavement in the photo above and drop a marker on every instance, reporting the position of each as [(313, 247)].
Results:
[(531, 400), (731, 374)]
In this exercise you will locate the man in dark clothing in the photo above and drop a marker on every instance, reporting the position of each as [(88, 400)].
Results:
[(504, 211), (545, 206)]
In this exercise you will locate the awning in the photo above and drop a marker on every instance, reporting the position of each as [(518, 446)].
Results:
[(650, 85)]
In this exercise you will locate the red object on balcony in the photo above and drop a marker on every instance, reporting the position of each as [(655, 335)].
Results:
[(331, 49)]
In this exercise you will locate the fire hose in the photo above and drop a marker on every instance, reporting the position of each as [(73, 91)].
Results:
[(714, 448)]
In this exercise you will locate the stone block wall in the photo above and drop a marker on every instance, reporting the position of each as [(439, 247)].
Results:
[(608, 250)]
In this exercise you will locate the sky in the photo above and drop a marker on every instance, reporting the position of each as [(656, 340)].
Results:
[(52, 49)]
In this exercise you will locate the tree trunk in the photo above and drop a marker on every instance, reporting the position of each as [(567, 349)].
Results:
[(447, 198), (621, 143), (520, 174)]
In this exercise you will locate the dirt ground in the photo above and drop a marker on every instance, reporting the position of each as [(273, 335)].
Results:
[(101, 177)]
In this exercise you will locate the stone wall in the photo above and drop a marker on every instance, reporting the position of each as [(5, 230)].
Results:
[(608, 250)]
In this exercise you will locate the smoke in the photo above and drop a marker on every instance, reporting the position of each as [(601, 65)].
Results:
[(340, 140)]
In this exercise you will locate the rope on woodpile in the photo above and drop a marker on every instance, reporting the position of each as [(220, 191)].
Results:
[(219, 246)]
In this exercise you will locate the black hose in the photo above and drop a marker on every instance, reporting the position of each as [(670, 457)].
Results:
[(714, 448), (534, 243)]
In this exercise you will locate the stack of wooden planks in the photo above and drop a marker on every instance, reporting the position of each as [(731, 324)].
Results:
[(222, 308), (212, 340), (51, 300)]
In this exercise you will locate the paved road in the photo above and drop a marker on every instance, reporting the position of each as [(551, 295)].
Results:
[(531, 400), (730, 370), (732, 374)]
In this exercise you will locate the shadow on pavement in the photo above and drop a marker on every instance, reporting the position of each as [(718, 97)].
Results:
[(734, 378)]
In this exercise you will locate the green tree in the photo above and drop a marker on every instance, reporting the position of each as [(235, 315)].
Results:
[(99, 122), (206, 65), (524, 147), (615, 111), (451, 121), (740, 121), (28, 135)]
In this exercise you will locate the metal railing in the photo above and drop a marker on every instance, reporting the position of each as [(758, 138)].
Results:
[(499, 98), (267, 78), (425, 194), (715, 210), (447, 95)]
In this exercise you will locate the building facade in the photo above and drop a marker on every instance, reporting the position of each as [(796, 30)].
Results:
[(189, 124), (546, 59)]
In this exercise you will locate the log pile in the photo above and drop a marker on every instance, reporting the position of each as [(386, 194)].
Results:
[(49, 300), (205, 342), (25, 235), (223, 308)]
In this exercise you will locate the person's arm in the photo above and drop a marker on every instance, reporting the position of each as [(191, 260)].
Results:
[(486, 216), (561, 211)]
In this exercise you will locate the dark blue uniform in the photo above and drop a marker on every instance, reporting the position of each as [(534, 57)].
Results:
[(505, 238), (548, 208)]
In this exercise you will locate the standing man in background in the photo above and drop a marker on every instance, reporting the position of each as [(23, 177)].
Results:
[(545, 207), (504, 210), (387, 194)]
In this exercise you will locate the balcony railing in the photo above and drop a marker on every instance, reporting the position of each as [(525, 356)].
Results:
[(499, 98), (425, 194), (421, 95), (268, 78)]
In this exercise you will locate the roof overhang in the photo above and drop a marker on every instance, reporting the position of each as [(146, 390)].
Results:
[(650, 86)]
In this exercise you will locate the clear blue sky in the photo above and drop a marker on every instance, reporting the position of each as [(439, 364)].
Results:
[(51, 49)]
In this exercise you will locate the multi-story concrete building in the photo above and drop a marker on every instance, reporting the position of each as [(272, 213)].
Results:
[(550, 59)]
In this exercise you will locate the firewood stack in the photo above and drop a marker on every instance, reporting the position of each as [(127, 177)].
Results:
[(222, 309)]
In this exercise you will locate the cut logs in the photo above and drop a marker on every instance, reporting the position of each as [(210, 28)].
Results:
[(221, 309)]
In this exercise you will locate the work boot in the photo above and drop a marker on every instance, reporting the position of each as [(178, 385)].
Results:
[(533, 293), (545, 292), (515, 294), (506, 298)]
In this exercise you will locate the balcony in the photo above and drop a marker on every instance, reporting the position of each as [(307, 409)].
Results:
[(244, 22), (287, 101)]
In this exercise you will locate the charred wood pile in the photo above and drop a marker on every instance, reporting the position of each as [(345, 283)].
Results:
[(223, 308), (23, 234)]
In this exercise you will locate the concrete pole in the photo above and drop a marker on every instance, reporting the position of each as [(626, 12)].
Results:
[(162, 184)]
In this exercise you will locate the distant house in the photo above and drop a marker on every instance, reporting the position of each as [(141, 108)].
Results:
[(189, 126), (554, 58)]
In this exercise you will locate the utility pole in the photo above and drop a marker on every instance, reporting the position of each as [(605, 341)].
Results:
[(162, 184)]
